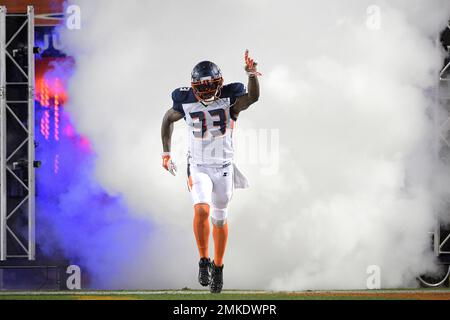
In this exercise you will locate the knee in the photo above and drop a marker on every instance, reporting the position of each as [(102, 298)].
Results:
[(219, 217), (202, 210)]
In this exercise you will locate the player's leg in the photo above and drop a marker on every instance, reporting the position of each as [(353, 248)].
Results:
[(201, 228), (201, 231), (200, 186), (221, 196), (220, 236)]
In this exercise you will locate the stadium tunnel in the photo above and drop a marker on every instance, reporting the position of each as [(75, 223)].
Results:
[(28, 56)]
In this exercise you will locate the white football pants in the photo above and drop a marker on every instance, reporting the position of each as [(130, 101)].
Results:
[(212, 186)]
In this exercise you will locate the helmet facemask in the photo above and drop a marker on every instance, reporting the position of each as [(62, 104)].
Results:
[(207, 90)]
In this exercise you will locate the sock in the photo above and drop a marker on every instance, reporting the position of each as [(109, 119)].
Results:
[(201, 229), (220, 235)]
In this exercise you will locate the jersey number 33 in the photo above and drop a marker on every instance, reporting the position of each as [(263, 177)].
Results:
[(219, 124)]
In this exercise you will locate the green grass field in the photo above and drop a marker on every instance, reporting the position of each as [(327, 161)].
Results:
[(401, 294)]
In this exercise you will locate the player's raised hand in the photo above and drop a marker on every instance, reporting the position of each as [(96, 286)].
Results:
[(168, 164), (250, 65)]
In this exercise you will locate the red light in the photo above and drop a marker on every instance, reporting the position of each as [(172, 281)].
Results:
[(56, 164), (50, 94), (45, 125), (56, 118)]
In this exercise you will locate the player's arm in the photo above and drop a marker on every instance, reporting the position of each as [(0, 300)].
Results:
[(170, 117), (252, 96)]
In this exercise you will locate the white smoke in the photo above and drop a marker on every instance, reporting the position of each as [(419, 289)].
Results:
[(344, 89)]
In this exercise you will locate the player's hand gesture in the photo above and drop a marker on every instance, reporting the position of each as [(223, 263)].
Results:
[(250, 65), (168, 164)]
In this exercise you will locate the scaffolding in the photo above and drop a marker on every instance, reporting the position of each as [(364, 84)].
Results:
[(440, 236), (17, 144)]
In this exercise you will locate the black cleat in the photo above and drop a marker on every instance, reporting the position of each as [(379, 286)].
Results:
[(204, 276), (216, 278)]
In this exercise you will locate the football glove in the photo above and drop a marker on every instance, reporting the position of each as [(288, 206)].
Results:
[(250, 66), (168, 164)]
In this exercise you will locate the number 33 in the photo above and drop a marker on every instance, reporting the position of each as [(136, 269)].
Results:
[(219, 126)]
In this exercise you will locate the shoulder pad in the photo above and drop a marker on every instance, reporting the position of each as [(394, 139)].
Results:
[(233, 90), (183, 95)]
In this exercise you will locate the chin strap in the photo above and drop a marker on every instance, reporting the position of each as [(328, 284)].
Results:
[(212, 99)]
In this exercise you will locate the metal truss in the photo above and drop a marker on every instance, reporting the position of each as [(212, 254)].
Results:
[(445, 73), (442, 245), (55, 18), (440, 236), (17, 145)]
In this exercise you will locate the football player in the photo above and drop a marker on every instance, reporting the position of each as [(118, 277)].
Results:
[(210, 109)]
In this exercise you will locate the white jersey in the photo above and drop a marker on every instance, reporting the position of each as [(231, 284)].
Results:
[(210, 127)]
